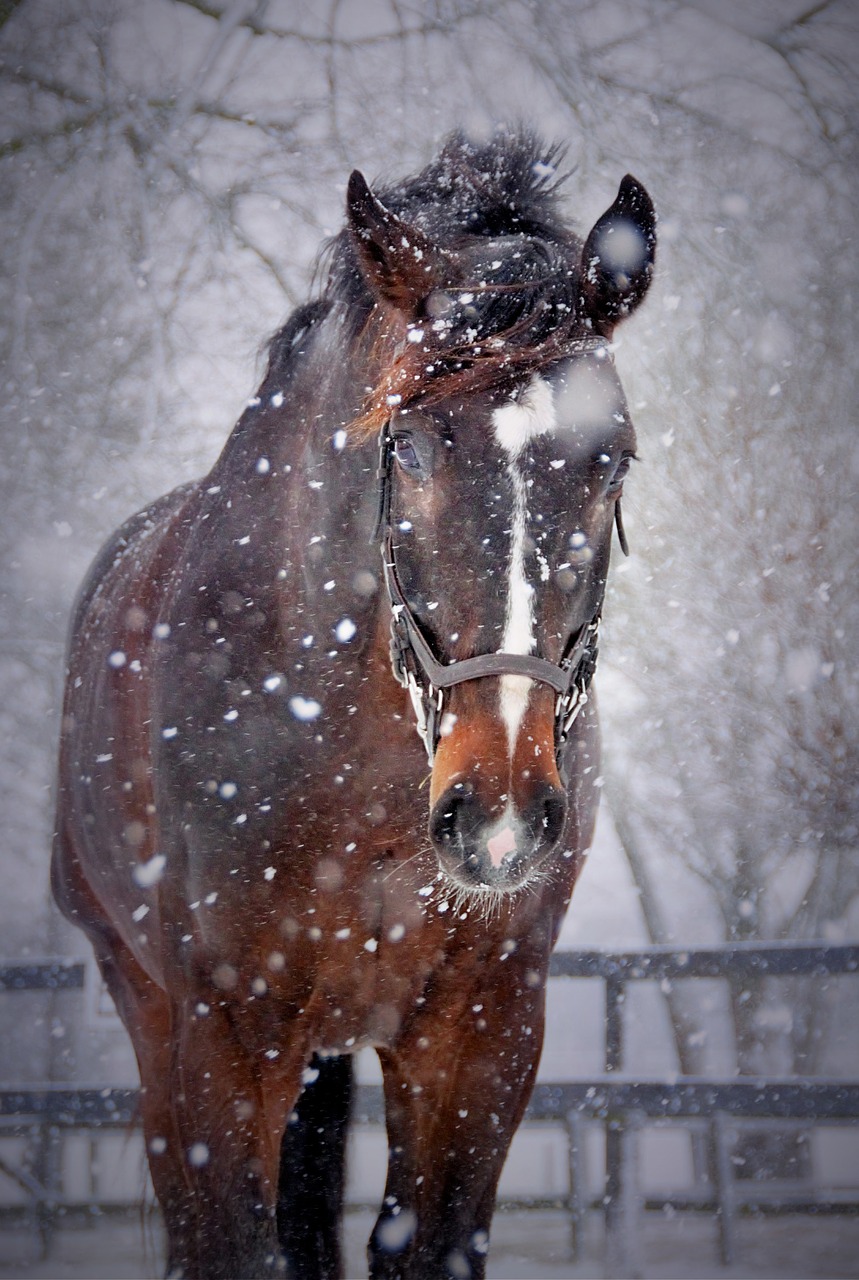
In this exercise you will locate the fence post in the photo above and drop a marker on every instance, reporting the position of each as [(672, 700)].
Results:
[(725, 1197), (614, 994), (48, 1173), (622, 1196), (577, 1201)]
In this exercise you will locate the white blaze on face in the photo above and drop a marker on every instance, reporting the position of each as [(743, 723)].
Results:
[(531, 414)]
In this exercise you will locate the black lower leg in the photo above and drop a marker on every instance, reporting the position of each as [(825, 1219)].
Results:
[(312, 1173)]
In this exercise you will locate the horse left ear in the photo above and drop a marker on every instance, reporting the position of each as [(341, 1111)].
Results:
[(399, 263), (617, 260)]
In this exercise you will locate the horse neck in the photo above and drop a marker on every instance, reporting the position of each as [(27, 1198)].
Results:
[(315, 489)]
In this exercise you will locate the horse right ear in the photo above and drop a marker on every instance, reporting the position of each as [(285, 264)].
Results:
[(399, 263)]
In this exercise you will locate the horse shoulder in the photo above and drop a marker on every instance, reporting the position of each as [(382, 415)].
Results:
[(104, 828)]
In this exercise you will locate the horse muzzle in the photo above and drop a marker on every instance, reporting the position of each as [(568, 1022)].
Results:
[(495, 820), (501, 849)]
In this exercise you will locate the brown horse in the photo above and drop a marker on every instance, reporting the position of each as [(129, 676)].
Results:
[(244, 829)]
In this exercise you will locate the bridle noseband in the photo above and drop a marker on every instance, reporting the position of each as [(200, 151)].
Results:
[(417, 669)]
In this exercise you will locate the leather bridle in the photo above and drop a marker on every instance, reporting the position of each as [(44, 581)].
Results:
[(427, 679)]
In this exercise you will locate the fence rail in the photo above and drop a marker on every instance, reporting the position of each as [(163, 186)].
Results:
[(622, 1104)]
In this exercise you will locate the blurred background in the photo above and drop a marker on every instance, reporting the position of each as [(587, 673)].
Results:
[(168, 173)]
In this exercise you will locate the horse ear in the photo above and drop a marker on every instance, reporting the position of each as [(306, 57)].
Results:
[(617, 260), (399, 263)]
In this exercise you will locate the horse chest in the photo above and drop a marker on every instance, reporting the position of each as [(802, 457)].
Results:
[(331, 980)]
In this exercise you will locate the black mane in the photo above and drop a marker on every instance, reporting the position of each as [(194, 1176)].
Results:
[(505, 187)]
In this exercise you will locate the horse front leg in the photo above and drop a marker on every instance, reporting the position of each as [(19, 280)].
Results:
[(455, 1093), (146, 1011), (230, 1106)]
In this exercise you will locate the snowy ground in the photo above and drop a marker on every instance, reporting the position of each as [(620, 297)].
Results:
[(525, 1246)]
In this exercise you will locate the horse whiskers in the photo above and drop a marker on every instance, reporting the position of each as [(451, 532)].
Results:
[(488, 900), (484, 899), (400, 866)]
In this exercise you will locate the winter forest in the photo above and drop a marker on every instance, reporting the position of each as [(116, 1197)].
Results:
[(168, 173)]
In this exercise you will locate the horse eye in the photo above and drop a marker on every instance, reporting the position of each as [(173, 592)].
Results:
[(621, 472), (406, 454)]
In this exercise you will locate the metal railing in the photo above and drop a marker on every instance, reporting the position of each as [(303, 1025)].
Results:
[(623, 1105)]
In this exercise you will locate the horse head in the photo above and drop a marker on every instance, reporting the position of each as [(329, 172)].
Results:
[(504, 442)]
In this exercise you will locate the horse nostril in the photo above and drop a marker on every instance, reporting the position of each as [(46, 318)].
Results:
[(443, 822), (454, 816), (547, 815), (554, 818)]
